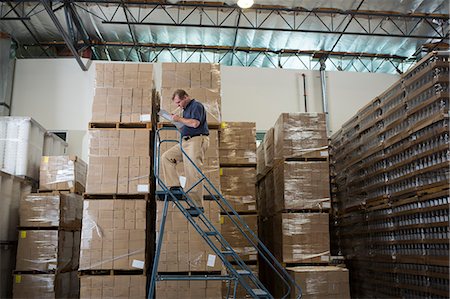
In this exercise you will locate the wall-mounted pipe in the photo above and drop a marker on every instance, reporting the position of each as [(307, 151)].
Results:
[(304, 92), (323, 84), (6, 74)]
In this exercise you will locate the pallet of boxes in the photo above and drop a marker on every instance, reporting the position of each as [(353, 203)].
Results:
[(237, 147), (183, 249), (295, 195), (392, 188), (117, 223), (49, 231), (22, 144)]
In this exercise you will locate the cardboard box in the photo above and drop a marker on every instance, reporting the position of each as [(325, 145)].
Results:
[(301, 237), (237, 143), (321, 281), (269, 148), (48, 250), (51, 210), (61, 285), (260, 161), (302, 186), (122, 93), (183, 249), (238, 185), (63, 173), (235, 238), (12, 189), (117, 286), (210, 168), (119, 143), (189, 289), (300, 134), (113, 234)]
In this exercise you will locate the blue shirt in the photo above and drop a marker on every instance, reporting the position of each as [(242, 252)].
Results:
[(196, 111)]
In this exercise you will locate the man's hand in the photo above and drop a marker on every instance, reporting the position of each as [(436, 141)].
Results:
[(190, 122), (176, 118)]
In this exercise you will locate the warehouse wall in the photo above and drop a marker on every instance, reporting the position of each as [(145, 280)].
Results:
[(58, 95)]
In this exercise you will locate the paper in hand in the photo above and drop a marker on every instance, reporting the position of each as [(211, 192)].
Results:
[(166, 115)]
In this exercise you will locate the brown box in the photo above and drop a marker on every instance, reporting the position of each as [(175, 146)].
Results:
[(113, 234), (48, 286), (183, 249), (269, 148), (260, 161), (62, 173), (48, 250), (211, 167), (321, 281), (237, 143), (238, 187), (301, 237), (12, 189), (51, 210), (102, 175), (235, 238), (117, 286), (119, 95), (300, 135), (302, 186), (119, 143), (190, 289)]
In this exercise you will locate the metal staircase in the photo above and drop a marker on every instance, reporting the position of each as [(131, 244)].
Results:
[(238, 273)]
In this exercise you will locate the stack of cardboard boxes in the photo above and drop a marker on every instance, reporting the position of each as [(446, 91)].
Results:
[(183, 249), (295, 194), (12, 189), (123, 93), (49, 237), (238, 181), (115, 225)]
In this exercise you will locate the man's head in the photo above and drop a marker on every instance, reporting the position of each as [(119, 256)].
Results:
[(181, 98)]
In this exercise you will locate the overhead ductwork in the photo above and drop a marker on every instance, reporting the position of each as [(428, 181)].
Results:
[(6, 74)]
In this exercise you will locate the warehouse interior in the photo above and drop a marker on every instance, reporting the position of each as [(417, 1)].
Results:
[(326, 174)]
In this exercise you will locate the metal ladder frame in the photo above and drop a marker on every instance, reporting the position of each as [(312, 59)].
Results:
[(226, 208)]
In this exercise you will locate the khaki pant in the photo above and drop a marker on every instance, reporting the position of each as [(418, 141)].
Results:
[(195, 148)]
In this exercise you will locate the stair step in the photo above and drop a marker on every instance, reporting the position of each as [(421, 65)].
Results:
[(243, 272), (211, 233), (259, 292), (162, 194), (228, 252)]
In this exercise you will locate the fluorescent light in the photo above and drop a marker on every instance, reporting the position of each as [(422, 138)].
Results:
[(245, 3)]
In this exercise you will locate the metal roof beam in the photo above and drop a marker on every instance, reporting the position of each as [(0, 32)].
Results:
[(414, 36), (66, 37)]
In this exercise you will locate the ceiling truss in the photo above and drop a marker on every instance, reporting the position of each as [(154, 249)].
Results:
[(220, 16)]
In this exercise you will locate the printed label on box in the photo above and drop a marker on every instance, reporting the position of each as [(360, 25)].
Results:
[(23, 234), (18, 278), (326, 205), (52, 267), (252, 207), (211, 260), (142, 188), (324, 153), (145, 117), (325, 258), (70, 184), (137, 264)]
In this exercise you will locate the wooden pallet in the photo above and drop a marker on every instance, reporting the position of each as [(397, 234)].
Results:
[(238, 165), (107, 272), (138, 196), (166, 124), (121, 125)]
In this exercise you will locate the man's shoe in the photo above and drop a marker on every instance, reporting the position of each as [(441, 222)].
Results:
[(195, 212)]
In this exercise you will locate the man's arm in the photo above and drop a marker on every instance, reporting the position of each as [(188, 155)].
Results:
[(190, 122)]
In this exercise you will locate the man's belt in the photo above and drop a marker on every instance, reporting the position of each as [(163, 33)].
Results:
[(185, 138)]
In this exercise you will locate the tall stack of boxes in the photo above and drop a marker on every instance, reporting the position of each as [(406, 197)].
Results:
[(113, 256), (295, 193), (183, 249), (49, 235), (237, 149), (12, 189), (391, 167)]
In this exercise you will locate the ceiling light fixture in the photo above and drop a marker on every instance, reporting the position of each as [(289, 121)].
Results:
[(245, 3)]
